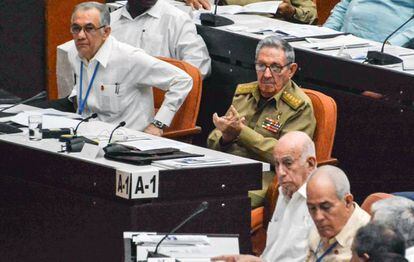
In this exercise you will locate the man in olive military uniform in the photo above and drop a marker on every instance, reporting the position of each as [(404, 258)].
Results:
[(262, 111)]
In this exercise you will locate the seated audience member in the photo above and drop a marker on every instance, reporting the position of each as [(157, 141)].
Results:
[(161, 30), (115, 80), (374, 20), (301, 11), (374, 242), (336, 216), (287, 233), (397, 213), (262, 111)]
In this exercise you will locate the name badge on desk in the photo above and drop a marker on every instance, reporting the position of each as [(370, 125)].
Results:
[(137, 185)]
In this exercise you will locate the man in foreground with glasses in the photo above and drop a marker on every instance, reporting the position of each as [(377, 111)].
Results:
[(263, 111), (115, 80)]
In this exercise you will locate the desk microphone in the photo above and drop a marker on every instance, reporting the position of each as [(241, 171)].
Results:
[(214, 20), (112, 133), (41, 95), (94, 115), (381, 58), (201, 208)]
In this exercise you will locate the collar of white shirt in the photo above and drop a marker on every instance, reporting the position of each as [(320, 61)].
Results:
[(102, 56), (154, 11)]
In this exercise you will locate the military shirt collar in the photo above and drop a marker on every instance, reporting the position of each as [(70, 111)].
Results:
[(277, 96)]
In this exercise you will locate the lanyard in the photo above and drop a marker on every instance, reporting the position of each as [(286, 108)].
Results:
[(327, 251), (82, 102)]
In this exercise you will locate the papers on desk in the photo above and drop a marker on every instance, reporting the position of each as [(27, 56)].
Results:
[(154, 143), (51, 119), (172, 240), (191, 162), (348, 41), (267, 7)]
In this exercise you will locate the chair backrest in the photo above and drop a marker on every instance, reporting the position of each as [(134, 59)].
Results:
[(371, 199), (324, 8), (325, 112), (186, 117)]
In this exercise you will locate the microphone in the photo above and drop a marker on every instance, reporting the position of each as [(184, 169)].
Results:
[(41, 95), (214, 20), (112, 133), (201, 208), (94, 115), (381, 58)]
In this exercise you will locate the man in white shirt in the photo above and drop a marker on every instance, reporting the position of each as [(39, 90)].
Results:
[(115, 80), (161, 30), (398, 213), (287, 233)]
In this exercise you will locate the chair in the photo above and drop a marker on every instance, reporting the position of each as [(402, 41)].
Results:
[(371, 199), (183, 126), (325, 113), (324, 8)]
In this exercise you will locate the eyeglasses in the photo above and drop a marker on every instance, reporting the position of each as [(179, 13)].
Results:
[(274, 68), (88, 28)]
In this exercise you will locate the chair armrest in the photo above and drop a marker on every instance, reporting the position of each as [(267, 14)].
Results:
[(331, 161), (183, 132), (257, 219)]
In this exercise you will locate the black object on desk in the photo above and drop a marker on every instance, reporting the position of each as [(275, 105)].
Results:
[(134, 156), (9, 128)]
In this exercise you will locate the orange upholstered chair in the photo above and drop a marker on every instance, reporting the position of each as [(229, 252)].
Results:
[(183, 126), (371, 199), (324, 8), (326, 114)]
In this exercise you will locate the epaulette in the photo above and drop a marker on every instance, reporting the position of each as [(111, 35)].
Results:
[(293, 101), (245, 88)]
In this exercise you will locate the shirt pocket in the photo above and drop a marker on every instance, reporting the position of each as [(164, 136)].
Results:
[(110, 98), (153, 44)]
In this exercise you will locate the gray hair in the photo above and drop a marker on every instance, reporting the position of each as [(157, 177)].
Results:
[(338, 179), (398, 213), (104, 16), (277, 43)]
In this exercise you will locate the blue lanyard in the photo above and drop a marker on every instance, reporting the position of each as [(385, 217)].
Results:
[(82, 102), (330, 248)]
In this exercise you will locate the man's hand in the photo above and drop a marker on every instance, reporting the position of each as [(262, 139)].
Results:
[(237, 258), (197, 4), (153, 130), (230, 124), (286, 9)]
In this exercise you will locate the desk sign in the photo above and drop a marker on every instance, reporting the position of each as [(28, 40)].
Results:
[(136, 185)]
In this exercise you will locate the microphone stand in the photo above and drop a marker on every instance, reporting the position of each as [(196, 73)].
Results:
[(41, 95), (214, 20), (381, 58), (203, 206)]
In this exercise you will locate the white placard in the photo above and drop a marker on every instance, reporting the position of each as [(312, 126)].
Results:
[(91, 151), (137, 185)]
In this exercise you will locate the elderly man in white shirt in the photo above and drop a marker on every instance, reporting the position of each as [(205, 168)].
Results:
[(115, 80), (161, 30), (288, 230)]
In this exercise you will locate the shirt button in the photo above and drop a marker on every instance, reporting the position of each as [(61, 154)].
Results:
[(336, 251), (102, 88)]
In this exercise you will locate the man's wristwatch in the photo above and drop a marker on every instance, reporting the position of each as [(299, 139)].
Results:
[(158, 124)]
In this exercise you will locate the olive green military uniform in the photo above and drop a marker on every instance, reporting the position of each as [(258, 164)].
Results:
[(305, 9), (289, 110)]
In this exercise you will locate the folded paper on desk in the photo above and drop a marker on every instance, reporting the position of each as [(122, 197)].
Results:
[(267, 7), (134, 156), (348, 41), (191, 162)]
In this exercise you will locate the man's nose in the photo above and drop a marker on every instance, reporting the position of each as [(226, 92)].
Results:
[(82, 34), (318, 216), (267, 72)]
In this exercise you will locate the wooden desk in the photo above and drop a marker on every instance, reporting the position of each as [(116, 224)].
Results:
[(58, 207), (374, 137)]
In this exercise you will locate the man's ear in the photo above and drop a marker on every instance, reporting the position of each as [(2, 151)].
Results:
[(292, 69), (107, 32), (311, 162), (349, 200)]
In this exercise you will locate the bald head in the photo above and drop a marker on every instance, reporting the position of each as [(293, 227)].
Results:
[(295, 160), (329, 200)]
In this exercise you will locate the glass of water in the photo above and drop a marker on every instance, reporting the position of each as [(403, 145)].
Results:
[(35, 127)]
